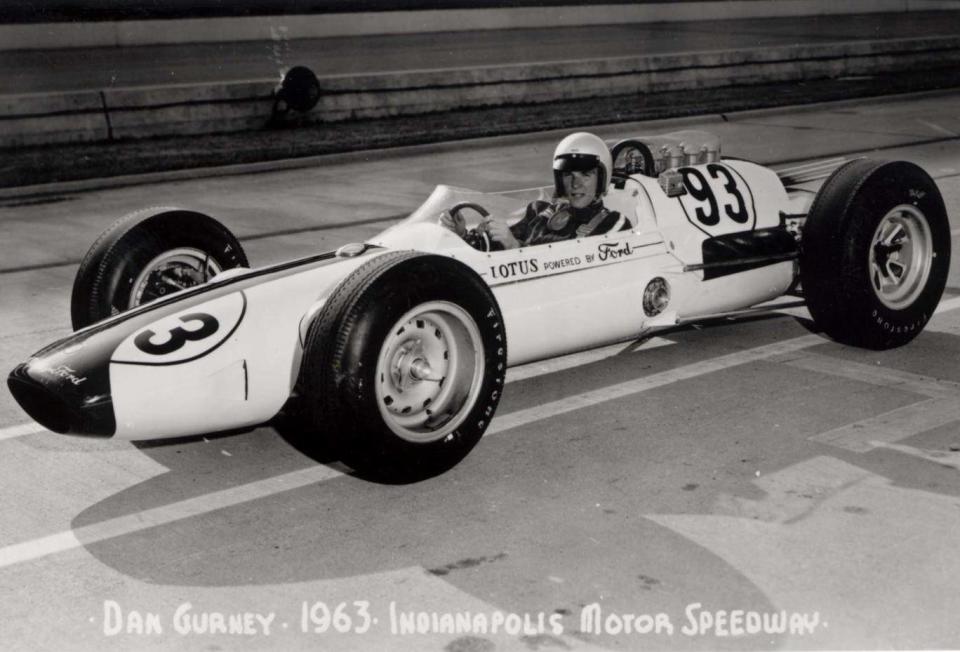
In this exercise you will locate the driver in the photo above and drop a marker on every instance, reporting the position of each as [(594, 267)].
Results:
[(581, 172)]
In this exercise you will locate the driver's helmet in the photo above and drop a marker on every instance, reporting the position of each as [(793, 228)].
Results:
[(582, 151)]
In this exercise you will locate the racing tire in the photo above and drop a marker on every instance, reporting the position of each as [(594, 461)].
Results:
[(874, 253), (404, 366), (147, 254)]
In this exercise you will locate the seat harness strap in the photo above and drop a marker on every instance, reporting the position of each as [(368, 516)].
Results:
[(586, 229)]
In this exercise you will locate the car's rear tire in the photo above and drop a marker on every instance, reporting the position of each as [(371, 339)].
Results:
[(404, 366), (147, 254), (875, 253)]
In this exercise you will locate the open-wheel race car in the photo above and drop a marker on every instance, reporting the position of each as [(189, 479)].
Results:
[(392, 353)]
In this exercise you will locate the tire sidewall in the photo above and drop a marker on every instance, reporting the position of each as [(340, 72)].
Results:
[(160, 236), (841, 296), (884, 194), (104, 286), (372, 445)]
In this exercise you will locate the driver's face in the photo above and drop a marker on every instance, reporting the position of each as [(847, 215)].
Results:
[(580, 187)]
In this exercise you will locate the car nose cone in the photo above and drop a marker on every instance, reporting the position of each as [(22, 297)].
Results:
[(44, 406), (58, 406)]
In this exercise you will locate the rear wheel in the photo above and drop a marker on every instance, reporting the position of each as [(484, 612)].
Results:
[(404, 367), (147, 255), (875, 253)]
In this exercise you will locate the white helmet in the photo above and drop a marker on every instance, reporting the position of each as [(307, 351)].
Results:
[(582, 151)]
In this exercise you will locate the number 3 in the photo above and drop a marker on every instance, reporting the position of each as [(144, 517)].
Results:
[(179, 335), (739, 215)]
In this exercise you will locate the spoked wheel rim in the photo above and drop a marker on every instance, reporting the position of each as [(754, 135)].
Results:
[(173, 270), (901, 255), (429, 372)]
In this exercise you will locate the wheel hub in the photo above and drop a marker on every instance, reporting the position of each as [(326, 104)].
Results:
[(429, 371), (900, 256), (172, 271), (420, 370), (411, 365)]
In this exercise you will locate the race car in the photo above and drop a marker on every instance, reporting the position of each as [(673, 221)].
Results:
[(392, 352)]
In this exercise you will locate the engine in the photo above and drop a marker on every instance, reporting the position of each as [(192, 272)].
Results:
[(651, 155)]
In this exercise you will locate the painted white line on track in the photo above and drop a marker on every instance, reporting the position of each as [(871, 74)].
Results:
[(949, 304), (937, 457), (880, 376), (895, 425), (613, 392), (21, 430), (935, 127), (139, 521), (940, 408)]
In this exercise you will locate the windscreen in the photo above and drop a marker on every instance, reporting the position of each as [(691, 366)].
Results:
[(507, 206)]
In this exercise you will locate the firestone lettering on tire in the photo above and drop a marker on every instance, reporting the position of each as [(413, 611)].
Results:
[(494, 396), (905, 328)]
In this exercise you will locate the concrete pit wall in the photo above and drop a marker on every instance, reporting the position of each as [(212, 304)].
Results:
[(128, 113), (143, 112)]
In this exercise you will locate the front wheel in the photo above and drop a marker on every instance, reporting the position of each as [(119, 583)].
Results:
[(404, 367), (147, 255), (875, 253)]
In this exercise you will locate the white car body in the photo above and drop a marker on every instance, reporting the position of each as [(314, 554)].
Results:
[(555, 298)]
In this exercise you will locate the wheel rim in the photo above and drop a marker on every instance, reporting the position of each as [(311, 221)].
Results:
[(901, 257), (429, 371), (171, 271)]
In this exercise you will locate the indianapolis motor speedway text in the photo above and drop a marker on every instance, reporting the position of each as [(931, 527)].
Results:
[(359, 617)]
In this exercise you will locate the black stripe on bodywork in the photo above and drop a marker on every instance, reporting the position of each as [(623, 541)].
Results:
[(214, 287)]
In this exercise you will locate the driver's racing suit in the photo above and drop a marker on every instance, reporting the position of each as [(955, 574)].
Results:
[(546, 222)]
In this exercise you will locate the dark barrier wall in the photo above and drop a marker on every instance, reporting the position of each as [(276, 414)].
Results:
[(46, 11)]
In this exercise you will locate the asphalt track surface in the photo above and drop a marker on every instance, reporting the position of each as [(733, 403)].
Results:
[(740, 466)]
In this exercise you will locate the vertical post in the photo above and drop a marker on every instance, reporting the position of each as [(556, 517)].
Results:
[(106, 115)]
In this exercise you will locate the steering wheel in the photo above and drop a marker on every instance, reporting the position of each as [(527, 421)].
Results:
[(455, 212)]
